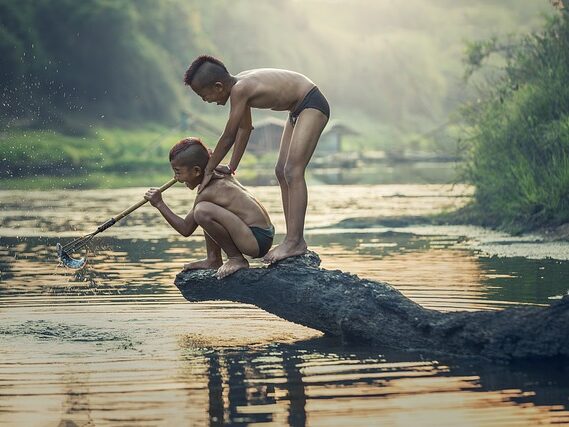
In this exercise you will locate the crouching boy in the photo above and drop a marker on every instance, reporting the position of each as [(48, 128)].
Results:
[(231, 218)]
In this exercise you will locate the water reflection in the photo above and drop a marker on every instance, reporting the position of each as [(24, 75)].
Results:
[(318, 381), (116, 344), (70, 214), (437, 272), (427, 269), (289, 385)]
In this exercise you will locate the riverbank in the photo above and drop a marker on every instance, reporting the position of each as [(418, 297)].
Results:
[(472, 214), (560, 232), (95, 157), (120, 158)]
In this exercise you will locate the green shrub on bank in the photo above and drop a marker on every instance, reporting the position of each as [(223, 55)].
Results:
[(518, 152), (104, 157), (30, 153)]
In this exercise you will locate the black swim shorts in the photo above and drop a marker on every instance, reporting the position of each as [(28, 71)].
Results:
[(264, 237), (313, 99)]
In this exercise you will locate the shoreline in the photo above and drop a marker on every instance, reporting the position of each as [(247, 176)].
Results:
[(553, 234)]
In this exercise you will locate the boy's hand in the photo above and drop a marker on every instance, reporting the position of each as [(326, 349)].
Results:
[(154, 197), (205, 181), (207, 177), (224, 169)]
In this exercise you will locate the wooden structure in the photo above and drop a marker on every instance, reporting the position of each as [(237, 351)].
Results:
[(266, 137), (331, 139)]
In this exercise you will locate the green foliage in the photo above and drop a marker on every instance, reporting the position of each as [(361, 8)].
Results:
[(114, 60), (518, 153), (34, 153), (391, 70), (67, 62), (45, 153)]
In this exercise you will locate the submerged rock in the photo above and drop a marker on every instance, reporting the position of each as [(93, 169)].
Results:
[(364, 311)]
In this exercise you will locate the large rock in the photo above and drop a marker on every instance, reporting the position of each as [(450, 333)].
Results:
[(364, 311)]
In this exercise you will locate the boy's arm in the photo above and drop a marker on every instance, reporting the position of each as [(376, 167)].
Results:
[(238, 108), (241, 140), (184, 226)]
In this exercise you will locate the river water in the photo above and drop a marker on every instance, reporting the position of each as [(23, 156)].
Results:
[(116, 344)]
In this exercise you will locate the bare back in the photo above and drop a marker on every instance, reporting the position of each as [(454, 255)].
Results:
[(228, 193), (275, 89)]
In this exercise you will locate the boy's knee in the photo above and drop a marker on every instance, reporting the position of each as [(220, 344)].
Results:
[(293, 173), (202, 213), (280, 172)]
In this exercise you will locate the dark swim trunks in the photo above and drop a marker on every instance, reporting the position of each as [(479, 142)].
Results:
[(264, 237), (313, 99)]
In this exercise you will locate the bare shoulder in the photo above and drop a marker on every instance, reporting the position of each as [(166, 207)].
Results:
[(244, 87), (228, 187), (270, 74), (262, 72), (215, 192), (208, 193)]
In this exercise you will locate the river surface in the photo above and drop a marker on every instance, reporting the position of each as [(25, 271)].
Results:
[(115, 344)]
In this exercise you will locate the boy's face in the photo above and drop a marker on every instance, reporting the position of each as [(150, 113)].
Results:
[(191, 176), (214, 93)]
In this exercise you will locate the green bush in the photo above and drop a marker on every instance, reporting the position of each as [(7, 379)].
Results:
[(518, 150)]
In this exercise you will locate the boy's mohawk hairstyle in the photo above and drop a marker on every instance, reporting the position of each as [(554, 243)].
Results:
[(197, 63), (184, 144)]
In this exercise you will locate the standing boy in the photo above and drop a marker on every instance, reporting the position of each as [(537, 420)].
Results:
[(278, 90), (231, 218)]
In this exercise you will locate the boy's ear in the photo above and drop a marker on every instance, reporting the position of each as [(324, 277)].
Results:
[(218, 85), (197, 170)]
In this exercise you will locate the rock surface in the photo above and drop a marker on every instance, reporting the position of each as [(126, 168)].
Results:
[(363, 311)]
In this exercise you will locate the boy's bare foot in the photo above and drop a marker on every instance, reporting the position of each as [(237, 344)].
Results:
[(231, 266), (285, 250), (203, 264)]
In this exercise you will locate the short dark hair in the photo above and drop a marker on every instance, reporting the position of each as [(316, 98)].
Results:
[(191, 152), (204, 71)]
